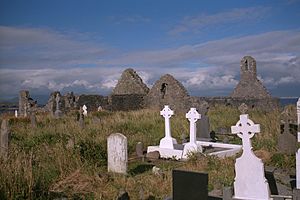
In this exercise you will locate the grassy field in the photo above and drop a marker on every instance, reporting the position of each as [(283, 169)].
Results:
[(43, 163)]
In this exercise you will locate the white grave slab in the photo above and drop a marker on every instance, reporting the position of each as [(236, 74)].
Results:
[(250, 182), (117, 157), (192, 146), (169, 148), (84, 108), (298, 152)]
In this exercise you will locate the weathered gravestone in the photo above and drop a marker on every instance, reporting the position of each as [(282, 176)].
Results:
[(58, 112), (286, 141), (250, 182), (4, 139), (243, 108), (81, 118), (139, 148), (191, 146), (298, 152), (189, 185), (117, 153), (16, 114), (33, 120), (203, 125)]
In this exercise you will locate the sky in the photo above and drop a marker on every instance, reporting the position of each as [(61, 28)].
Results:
[(83, 46)]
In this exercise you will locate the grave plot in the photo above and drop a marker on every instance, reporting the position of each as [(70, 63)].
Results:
[(169, 148)]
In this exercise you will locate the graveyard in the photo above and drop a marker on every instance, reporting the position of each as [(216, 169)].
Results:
[(55, 157)]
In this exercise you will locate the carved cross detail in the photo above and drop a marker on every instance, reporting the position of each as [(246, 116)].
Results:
[(167, 113), (245, 129)]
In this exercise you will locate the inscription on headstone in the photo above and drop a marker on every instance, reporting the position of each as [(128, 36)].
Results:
[(117, 153)]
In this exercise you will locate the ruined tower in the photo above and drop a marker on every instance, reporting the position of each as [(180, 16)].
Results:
[(249, 85)]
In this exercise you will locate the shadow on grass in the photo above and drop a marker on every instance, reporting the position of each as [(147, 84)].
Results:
[(139, 169)]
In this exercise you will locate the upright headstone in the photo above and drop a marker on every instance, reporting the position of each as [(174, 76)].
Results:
[(4, 139), (203, 125), (16, 114), (189, 185), (191, 146), (117, 153), (298, 152), (84, 108), (33, 120), (167, 142), (25, 109), (287, 142), (139, 149), (58, 112), (250, 181), (81, 118)]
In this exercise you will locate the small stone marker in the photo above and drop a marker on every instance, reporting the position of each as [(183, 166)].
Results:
[(81, 118), (25, 110), (4, 139), (84, 108), (191, 146), (16, 114), (286, 141), (250, 181), (139, 149), (99, 109), (243, 108), (33, 120), (117, 153), (189, 185), (167, 142)]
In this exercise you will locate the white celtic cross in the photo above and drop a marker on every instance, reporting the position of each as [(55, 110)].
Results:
[(193, 116), (245, 129), (167, 113)]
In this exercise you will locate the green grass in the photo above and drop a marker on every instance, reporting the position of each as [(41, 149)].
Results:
[(40, 166)]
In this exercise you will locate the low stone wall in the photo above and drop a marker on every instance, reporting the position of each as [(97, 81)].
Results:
[(127, 102), (266, 104)]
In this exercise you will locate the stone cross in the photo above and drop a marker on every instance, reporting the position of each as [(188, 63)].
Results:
[(4, 139), (84, 108), (117, 157), (167, 142), (250, 181), (245, 129), (243, 108), (193, 116), (191, 146), (16, 114), (287, 142)]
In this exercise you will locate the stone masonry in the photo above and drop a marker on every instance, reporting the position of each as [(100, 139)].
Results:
[(249, 86)]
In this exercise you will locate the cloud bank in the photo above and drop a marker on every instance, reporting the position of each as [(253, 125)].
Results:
[(42, 60)]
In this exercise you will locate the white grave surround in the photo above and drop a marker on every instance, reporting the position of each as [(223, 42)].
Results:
[(250, 182), (298, 152), (169, 148), (84, 108), (117, 158)]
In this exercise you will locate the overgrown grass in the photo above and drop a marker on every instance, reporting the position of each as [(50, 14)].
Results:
[(42, 166)]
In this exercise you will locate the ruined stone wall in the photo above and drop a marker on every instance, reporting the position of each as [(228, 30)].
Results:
[(127, 102), (93, 102), (26, 103)]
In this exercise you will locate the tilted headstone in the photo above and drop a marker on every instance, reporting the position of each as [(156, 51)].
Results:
[(4, 139), (167, 142), (117, 153), (298, 151), (191, 146), (286, 141), (84, 108), (189, 185), (250, 181)]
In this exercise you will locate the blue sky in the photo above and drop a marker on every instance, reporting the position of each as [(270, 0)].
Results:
[(83, 46)]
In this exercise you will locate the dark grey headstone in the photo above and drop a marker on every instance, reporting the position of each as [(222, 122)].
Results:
[(287, 142), (203, 127), (190, 185), (272, 182), (296, 194)]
